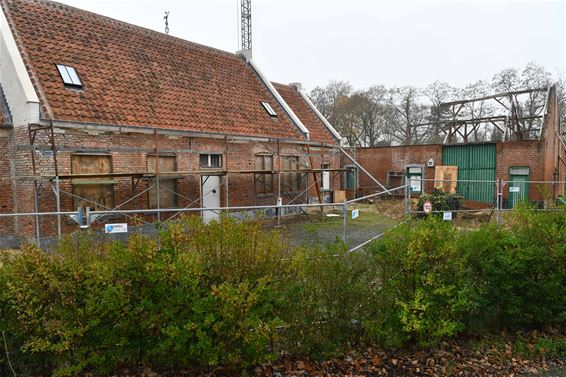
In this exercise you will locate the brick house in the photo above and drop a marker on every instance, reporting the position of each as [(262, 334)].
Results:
[(104, 110)]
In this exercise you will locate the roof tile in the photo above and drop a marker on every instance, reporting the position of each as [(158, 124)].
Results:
[(318, 130), (139, 77)]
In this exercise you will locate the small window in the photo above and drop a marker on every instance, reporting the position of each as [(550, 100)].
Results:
[(269, 109), (210, 160), (69, 76), (519, 171)]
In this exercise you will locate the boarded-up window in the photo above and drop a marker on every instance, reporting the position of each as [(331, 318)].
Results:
[(97, 192), (446, 178), (167, 185), (263, 182), (291, 182)]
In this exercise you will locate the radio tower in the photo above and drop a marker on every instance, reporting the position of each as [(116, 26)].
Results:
[(246, 24)]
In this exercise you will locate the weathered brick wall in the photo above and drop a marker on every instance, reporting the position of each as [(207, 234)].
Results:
[(129, 155), (555, 156), (521, 154), (6, 187), (379, 161)]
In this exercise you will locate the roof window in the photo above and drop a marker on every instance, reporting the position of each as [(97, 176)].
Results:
[(269, 109), (69, 76)]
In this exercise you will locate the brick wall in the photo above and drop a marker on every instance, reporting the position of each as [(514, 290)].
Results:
[(521, 154), (379, 161), (129, 152)]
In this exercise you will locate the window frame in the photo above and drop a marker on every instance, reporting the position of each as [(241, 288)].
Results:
[(162, 180), (290, 181), (262, 178), (73, 80), (209, 160), (269, 109), (106, 184)]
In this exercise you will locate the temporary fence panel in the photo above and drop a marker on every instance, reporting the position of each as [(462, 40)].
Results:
[(475, 163)]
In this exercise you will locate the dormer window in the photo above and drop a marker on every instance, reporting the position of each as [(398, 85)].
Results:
[(269, 109), (69, 76)]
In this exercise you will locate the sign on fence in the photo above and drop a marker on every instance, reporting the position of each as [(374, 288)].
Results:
[(514, 189), (447, 216), (355, 214), (116, 228)]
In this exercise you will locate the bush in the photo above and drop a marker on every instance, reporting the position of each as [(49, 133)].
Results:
[(102, 305), (419, 289), (518, 273), (231, 294), (331, 295), (440, 200)]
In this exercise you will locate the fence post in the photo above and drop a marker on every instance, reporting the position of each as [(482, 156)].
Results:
[(344, 218), (58, 198), (497, 203)]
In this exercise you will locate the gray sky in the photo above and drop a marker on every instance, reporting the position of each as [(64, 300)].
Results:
[(393, 43)]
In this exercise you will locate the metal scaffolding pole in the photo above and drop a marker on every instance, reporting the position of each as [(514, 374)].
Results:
[(58, 203)]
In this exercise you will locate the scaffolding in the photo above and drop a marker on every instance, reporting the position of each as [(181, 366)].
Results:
[(152, 181)]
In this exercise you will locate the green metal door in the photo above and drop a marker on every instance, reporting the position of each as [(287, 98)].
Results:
[(475, 162), (518, 185)]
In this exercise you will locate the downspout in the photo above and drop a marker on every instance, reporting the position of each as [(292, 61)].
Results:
[(278, 97), (299, 88)]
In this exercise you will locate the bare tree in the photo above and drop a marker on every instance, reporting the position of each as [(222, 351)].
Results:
[(408, 112), (372, 109)]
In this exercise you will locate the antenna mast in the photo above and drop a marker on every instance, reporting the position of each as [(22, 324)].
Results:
[(166, 18), (246, 24)]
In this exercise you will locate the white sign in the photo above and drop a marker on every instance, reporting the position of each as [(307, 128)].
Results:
[(427, 207), (514, 189), (355, 214), (447, 216), (116, 228), (279, 202)]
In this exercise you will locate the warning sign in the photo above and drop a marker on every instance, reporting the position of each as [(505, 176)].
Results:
[(427, 207)]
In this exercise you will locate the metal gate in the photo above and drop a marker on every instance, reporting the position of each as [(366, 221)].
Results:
[(476, 170)]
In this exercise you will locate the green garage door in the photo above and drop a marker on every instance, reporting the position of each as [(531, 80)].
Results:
[(475, 163)]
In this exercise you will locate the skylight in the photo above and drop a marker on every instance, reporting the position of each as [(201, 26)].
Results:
[(269, 109), (69, 76)]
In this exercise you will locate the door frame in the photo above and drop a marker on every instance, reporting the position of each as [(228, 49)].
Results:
[(513, 197), (203, 179)]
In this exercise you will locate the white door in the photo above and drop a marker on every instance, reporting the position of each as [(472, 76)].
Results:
[(210, 193)]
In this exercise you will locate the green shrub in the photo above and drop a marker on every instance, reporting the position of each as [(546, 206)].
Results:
[(440, 200), (204, 298), (519, 271), (332, 293), (420, 293), (230, 293)]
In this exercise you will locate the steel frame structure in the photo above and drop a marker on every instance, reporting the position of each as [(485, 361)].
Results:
[(512, 124)]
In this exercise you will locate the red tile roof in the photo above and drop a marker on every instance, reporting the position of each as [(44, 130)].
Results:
[(318, 131), (138, 77)]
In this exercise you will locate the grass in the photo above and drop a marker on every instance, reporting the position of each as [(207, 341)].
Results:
[(315, 229)]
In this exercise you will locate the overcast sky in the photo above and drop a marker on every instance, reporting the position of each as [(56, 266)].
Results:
[(394, 43)]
